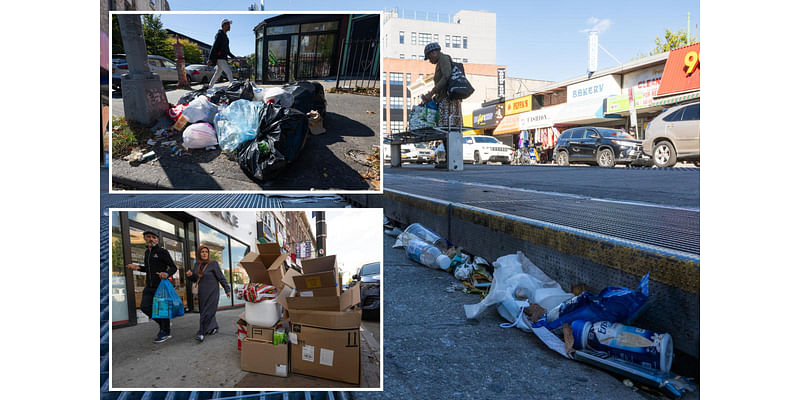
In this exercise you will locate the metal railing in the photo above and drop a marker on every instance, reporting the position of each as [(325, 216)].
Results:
[(358, 64)]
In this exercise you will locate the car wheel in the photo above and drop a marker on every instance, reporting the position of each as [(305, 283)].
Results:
[(664, 154), (562, 159), (477, 158), (697, 164), (605, 158)]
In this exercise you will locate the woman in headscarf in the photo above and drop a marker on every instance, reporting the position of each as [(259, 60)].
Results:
[(447, 107), (209, 276)]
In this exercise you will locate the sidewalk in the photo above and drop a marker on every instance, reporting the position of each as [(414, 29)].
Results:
[(331, 161), (182, 362)]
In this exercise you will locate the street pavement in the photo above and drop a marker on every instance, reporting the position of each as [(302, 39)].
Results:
[(182, 362), (331, 161), (432, 351)]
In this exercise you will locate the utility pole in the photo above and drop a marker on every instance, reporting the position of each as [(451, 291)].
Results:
[(322, 233), (142, 92), (688, 28)]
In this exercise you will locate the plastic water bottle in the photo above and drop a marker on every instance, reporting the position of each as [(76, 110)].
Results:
[(427, 255), (636, 345), (428, 236)]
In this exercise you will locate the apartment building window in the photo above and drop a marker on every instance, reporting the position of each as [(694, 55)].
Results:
[(456, 59), (465, 42), (446, 40), (413, 37), (408, 103), (424, 38), (408, 79), (402, 56), (456, 42), (402, 37), (395, 78), (413, 56), (396, 103), (436, 37), (421, 57), (396, 126), (383, 126), (465, 61)]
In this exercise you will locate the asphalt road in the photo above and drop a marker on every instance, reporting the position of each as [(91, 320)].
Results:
[(331, 161), (432, 351)]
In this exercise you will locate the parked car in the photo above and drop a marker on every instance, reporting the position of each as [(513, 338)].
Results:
[(674, 135), (605, 147), (200, 73), (424, 154), (480, 149), (369, 281), (165, 68), (408, 152)]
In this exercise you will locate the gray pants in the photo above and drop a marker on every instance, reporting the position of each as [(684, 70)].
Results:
[(222, 66)]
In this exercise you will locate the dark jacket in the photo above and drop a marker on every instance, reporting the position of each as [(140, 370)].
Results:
[(220, 49), (157, 260), (444, 68)]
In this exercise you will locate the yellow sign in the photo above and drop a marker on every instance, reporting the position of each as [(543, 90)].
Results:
[(313, 282), (691, 60), (519, 105)]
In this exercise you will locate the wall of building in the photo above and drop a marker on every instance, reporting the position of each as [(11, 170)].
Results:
[(240, 225), (479, 27)]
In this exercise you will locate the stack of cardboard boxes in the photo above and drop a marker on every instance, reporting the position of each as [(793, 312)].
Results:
[(323, 322)]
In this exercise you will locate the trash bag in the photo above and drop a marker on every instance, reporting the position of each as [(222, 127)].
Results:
[(422, 117), (188, 97), (515, 277), (307, 96), (166, 302), (199, 136), (239, 90), (282, 133), (278, 96), (237, 123), (458, 87), (613, 304), (200, 109)]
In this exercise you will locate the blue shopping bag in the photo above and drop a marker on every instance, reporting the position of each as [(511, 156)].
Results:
[(166, 302)]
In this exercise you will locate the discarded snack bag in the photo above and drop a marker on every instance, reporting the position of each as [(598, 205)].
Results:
[(636, 345)]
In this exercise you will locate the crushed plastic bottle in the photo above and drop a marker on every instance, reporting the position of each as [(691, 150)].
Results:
[(427, 254), (428, 235)]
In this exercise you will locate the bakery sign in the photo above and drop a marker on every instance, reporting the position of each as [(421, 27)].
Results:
[(598, 88), (519, 105)]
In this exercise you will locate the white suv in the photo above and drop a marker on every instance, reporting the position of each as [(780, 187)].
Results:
[(480, 149)]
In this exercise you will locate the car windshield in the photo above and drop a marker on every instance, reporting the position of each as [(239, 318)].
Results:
[(371, 269), (420, 145), (614, 133), (485, 139)]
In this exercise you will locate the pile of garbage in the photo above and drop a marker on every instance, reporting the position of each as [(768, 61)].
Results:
[(588, 327), (263, 129)]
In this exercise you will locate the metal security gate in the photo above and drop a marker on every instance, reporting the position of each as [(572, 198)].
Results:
[(358, 64)]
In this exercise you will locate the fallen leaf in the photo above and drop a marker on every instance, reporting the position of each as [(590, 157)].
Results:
[(370, 112)]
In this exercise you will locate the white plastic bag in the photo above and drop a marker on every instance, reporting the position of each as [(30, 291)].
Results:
[(279, 96), (200, 109), (199, 135)]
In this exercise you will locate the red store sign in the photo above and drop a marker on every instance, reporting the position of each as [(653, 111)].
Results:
[(682, 71)]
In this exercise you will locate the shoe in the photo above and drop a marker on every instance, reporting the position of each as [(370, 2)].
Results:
[(212, 332), (199, 338), (162, 337)]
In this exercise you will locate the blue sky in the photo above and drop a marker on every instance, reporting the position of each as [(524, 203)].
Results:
[(535, 39)]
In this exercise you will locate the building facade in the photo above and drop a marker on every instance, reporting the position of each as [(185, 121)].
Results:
[(229, 236), (468, 36)]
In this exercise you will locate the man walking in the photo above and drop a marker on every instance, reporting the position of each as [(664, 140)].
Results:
[(158, 265), (219, 54)]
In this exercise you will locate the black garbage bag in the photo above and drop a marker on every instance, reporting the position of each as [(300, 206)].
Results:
[(282, 134), (458, 87), (217, 95), (307, 96), (239, 90), (188, 97)]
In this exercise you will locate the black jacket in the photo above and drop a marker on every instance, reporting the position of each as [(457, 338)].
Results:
[(157, 260), (220, 49)]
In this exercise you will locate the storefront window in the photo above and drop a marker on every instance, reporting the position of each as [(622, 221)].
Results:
[(320, 26), (276, 60), (217, 244), (175, 249), (153, 219), (119, 294), (138, 248), (240, 278), (280, 30)]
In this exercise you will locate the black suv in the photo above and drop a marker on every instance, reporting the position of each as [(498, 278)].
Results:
[(605, 147)]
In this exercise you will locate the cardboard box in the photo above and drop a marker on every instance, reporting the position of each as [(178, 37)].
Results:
[(260, 333), (326, 353), (349, 298), (328, 291), (318, 273), (265, 358), (266, 266)]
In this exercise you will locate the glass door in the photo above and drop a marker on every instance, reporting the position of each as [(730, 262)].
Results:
[(278, 60), (175, 248)]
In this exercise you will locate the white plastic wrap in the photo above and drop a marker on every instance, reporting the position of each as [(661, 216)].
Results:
[(279, 96), (200, 109), (265, 313)]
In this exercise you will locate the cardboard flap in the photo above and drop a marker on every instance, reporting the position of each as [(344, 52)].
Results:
[(256, 270), (285, 292), (350, 297), (269, 249), (320, 264), (288, 278)]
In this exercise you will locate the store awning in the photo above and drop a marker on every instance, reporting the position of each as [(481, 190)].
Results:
[(676, 98), (509, 124)]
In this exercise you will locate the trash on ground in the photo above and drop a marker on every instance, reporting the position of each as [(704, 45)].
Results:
[(211, 147), (394, 232), (200, 109), (199, 136), (168, 143), (282, 134), (307, 96), (418, 232), (315, 123), (636, 345), (237, 123), (278, 96), (427, 255), (180, 123), (147, 156), (152, 142), (175, 112)]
